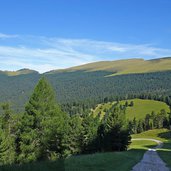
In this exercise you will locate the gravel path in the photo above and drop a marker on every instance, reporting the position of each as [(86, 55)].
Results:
[(151, 160)]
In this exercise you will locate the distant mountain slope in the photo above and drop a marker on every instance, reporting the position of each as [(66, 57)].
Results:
[(19, 72), (81, 86), (127, 66)]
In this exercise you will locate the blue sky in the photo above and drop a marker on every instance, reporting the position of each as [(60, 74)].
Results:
[(52, 34)]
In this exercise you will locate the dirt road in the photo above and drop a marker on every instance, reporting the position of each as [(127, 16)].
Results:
[(151, 160)]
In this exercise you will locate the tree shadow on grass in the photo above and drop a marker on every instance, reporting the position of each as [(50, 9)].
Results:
[(165, 135), (36, 166), (150, 146), (165, 153), (108, 161), (94, 162)]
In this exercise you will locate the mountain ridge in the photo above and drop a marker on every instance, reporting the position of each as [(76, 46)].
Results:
[(118, 67), (18, 72), (123, 66)]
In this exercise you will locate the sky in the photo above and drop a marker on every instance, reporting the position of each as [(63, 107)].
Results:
[(52, 34)]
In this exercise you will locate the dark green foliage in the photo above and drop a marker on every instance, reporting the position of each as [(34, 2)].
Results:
[(109, 134), (89, 88), (131, 104), (44, 132), (151, 121), (73, 140), (57, 165), (114, 132), (140, 126), (42, 125), (7, 137), (170, 118), (89, 134), (17, 89)]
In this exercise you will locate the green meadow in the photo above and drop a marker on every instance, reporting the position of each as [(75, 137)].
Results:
[(138, 110)]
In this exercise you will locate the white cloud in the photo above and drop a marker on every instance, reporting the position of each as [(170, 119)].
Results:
[(5, 36), (44, 54)]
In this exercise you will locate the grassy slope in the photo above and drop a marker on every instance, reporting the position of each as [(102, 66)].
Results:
[(139, 110), (165, 136), (143, 107), (100, 108), (19, 72), (118, 67), (118, 161), (127, 66), (143, 144)]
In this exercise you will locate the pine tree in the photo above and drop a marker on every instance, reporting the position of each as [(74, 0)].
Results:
[(140, 126), (147, 122), (7, 137), (73, 138), (126, 104), (89, 134), (134, 126), (42, 125), (170, 118), (131, 104), (116, 132)]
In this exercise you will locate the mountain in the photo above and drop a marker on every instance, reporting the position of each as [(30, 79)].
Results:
[(18, 72), (91, 82), (127, 66), (118, 67)]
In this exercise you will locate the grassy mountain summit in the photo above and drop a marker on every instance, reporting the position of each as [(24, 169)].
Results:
[(117, 67), (18, 72), (126, 66)]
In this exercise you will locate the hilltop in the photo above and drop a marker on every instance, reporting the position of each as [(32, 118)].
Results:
[(126, 66), (18, 72), (117, 67)]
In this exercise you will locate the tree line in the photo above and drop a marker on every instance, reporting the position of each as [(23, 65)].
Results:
[(151, 121)]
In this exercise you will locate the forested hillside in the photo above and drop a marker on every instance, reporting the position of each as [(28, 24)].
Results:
[(16, 89), (91, 86)]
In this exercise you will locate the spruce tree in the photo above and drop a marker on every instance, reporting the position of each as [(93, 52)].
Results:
[(42, 125), (73, 140), (89, 134), (116, 132), (7, 137)]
